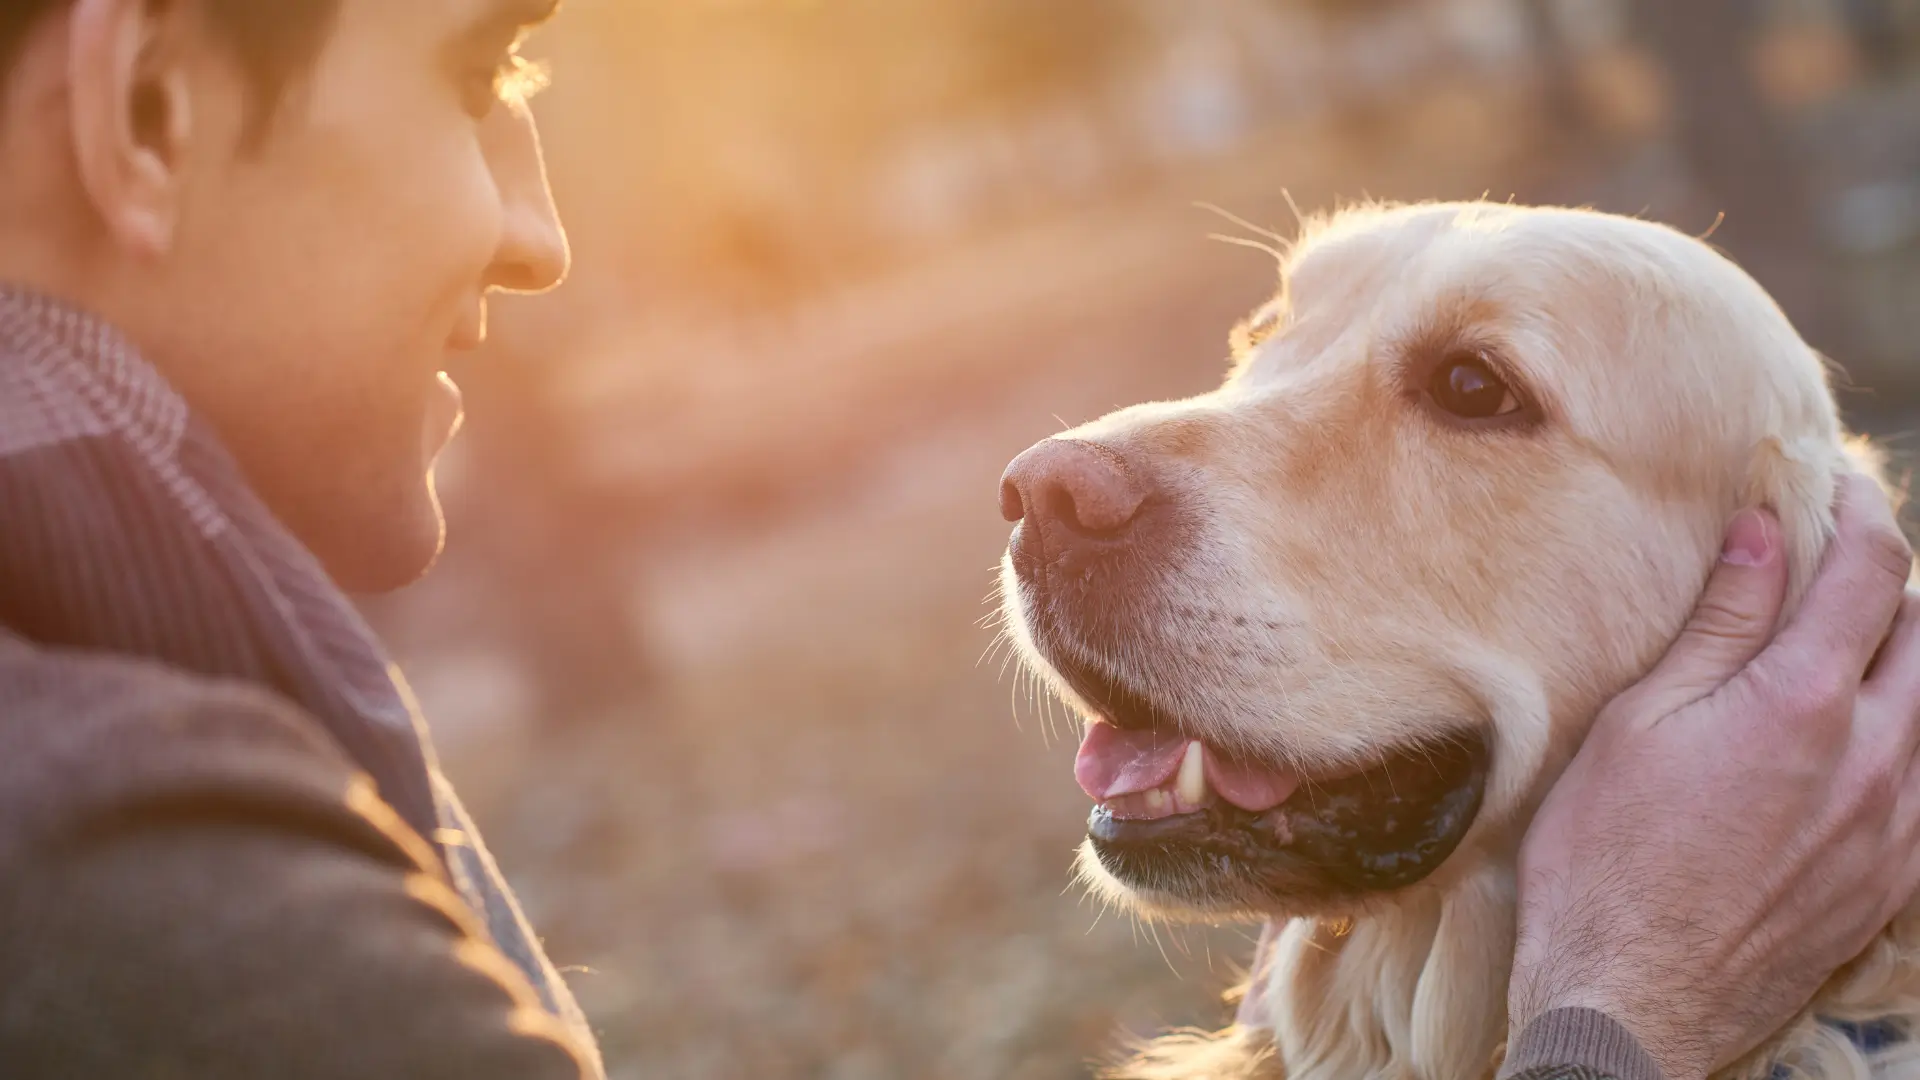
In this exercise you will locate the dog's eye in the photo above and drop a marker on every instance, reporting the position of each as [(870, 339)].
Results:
[(1466, 386)]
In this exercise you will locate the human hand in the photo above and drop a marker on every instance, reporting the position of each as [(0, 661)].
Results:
[(1745, 819)]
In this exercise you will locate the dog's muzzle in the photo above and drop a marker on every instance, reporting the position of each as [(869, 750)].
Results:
[(1095, 534), (1096, 540)]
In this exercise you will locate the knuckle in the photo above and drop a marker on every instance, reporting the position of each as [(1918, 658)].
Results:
[(1875, 774), (1812, 695), (1777, 687), (1722, 617), (1902, 728), (1909, 608), (1828, 693), (1883, 773), (1796, 716), (1889, 549), (1877, 791)]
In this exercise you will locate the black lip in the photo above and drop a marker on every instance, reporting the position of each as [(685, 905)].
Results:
[(1385, 828)]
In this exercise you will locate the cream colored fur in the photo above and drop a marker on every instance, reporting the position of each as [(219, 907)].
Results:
[(1365, 574)]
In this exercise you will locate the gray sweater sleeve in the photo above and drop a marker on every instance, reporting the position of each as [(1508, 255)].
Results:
[(1577, 1044), (195, 883)]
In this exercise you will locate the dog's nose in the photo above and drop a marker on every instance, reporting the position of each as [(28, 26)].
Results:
[(1084, 488)]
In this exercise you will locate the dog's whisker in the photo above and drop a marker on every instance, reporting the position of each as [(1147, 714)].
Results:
[(1012, 654), (1241, 241), (1154, 933), (1248, 225), (986, 654), (1299, 219)]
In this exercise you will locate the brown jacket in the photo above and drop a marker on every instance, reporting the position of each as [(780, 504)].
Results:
[(195, 882)]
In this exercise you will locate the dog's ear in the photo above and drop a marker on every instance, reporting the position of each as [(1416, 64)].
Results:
[(1797, 479)]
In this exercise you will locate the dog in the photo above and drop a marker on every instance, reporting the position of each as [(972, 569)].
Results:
[(1337, 625)]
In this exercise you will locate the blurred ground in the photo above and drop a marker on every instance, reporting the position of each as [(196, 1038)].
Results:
[(706, 649)]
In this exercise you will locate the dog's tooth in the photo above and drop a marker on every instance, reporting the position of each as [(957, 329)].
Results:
[(1192, 783), (1156, 801)]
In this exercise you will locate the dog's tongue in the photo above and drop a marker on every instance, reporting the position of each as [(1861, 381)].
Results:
[(1249, 785), (1112, 763)]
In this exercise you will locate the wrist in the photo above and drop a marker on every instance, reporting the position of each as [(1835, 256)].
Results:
[(1579, 1037), (1665, 1039)]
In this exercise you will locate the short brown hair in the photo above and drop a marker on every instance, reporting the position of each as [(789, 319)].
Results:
[(274, 40)]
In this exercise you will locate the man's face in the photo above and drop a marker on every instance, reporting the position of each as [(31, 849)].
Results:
[(319, 279)]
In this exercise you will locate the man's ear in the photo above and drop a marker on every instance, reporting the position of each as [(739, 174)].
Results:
[(131, 113)]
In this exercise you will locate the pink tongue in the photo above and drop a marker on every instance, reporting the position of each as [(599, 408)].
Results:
[(1248, 785), (1114, 762)]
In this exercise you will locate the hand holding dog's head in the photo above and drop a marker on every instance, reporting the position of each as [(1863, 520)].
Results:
[(1749, 760)]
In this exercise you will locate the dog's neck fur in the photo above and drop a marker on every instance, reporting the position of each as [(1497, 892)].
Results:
[(1417, 990)]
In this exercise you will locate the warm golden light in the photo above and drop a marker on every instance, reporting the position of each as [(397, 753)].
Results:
[(704, 646)]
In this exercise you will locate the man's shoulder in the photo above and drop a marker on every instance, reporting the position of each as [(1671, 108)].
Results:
[(87, 728), (71, 688)]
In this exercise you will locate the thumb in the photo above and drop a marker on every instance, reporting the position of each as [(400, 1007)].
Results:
[(1733, 621)]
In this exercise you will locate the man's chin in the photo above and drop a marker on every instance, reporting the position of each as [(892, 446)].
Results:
[(378, 549)]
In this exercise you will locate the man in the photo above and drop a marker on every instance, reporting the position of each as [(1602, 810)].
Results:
[(238, 240)]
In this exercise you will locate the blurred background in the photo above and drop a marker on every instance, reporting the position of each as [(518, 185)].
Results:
[(705, 651)]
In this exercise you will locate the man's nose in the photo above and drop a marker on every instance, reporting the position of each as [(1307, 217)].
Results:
[(533, 255)]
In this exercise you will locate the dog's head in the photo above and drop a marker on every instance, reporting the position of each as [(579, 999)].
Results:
[(1336, 624)]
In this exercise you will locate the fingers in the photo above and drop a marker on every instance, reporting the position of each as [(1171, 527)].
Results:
[(1895, 677), (1734, 618), (1887, 720), (1901, 847), (1853, 600)]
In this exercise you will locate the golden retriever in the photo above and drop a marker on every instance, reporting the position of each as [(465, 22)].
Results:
[(1337, 625)]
